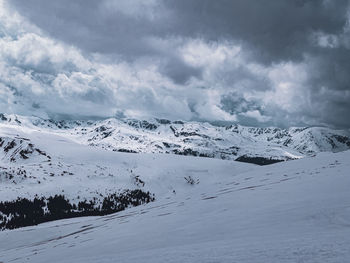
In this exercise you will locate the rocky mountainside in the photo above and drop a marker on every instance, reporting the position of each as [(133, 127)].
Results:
[(234, 142)]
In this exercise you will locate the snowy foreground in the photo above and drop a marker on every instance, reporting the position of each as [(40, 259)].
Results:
[(296, 211)]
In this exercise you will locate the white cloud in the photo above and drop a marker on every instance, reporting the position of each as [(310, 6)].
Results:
[(255, 114), (201, 54)]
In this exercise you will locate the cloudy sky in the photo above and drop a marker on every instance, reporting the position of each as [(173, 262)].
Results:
[(256, 62)]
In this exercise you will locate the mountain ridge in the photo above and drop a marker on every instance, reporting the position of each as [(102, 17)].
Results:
[(234, 142)]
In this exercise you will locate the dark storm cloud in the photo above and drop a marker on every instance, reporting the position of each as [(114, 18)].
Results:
[(276, 29), (312, 32), (100, 26), (88, 25)]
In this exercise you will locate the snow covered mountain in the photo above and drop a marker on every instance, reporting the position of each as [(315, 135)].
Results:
[(235, 142), (177, 208)]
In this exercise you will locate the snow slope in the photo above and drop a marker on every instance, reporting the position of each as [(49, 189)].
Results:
[(296, 211)]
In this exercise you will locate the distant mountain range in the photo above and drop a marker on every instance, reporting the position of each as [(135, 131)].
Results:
[(234, 142)]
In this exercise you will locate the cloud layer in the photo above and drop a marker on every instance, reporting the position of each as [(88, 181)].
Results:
[(259, 63)]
